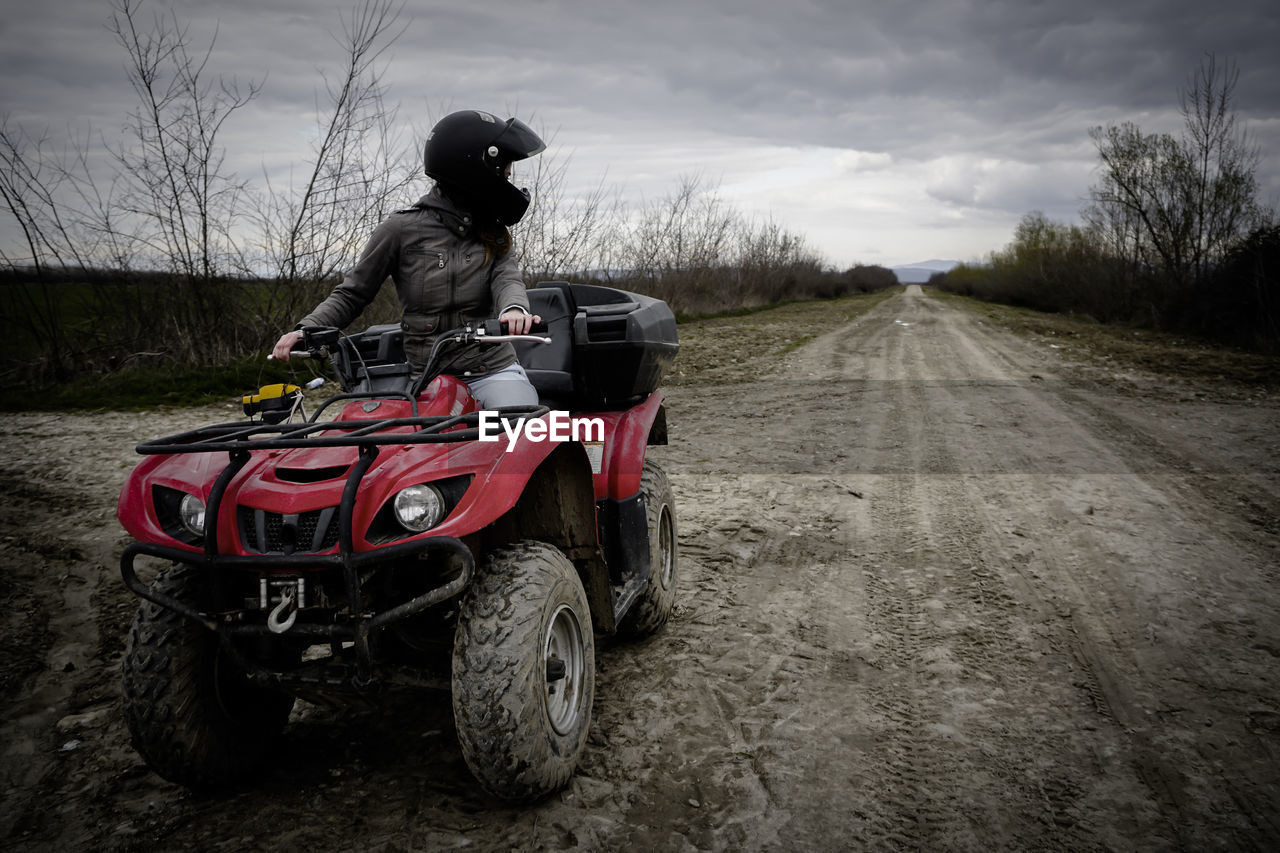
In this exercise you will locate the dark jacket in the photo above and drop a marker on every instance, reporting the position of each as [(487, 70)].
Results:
[(444, 277)]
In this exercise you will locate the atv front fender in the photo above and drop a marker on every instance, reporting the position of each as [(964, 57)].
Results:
[(498, 485)]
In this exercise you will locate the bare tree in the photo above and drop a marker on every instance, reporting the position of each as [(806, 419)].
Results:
[(311, 232), (68, 225), (688, 229), (1225, 162), (700, 254), (563, 236), (173, 166), (163, 199), (32, 184), (1143, 182), (28, 195), (1185, 198)]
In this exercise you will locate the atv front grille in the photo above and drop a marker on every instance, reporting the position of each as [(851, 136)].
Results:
[(275, 533)]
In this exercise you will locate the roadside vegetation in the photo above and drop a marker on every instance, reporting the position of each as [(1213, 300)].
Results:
[(150, 271), (1174, 238), (735, 346), (1125, 349), (727, 344)]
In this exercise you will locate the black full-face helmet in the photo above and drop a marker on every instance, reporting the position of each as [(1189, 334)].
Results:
[(468, 153)]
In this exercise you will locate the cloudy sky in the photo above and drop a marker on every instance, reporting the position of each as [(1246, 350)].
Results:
[(884, 132)]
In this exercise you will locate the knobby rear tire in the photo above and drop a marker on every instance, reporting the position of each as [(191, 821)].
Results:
[(652, 607)]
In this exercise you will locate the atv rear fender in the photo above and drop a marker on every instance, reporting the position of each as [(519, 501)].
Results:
[(627, 434)]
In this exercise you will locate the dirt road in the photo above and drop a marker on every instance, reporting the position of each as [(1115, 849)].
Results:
[(940, 591)]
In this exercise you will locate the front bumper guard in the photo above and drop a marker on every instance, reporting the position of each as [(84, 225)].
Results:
[(361, 624), (239, 441)]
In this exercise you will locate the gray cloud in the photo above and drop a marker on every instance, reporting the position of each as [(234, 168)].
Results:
[(979, 109)]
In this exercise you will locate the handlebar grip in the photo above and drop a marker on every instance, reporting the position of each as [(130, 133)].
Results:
[(499, 327)]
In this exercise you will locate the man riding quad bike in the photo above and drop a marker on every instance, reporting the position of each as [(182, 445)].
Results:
[(412, 540)]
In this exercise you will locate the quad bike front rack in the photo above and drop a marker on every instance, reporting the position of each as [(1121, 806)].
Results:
[(239, 441)]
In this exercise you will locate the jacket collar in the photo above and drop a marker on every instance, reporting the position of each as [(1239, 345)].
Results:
[(458, 220)]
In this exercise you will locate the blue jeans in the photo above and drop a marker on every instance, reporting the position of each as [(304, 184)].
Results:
[(506, 387)]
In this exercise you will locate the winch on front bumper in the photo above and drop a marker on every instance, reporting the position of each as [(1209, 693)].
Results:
[(283, 612)]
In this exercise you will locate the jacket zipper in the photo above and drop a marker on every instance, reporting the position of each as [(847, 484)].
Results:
[(424, 298), (453, 279)]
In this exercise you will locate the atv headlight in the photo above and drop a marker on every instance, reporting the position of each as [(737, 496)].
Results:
[(191, 514), (419, 508)]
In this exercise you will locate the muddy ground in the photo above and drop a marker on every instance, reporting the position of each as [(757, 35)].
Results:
[(942, 588)]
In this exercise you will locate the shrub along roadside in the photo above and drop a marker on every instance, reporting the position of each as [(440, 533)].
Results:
[(1129, 348), (1057, 267), (172, 384), (757, 335), (138, 388)]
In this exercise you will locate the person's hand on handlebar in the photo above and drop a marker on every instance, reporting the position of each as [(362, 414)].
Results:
[(518, 322), (289, 340)]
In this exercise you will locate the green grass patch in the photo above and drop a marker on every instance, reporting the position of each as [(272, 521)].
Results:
[(690, 319)]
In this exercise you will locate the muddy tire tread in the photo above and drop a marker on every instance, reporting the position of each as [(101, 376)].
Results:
[(172, 718), (502, 729)]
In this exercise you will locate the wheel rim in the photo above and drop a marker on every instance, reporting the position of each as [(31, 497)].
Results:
[(666, 547), (564, 695)]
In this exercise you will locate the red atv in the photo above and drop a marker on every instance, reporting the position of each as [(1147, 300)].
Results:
[(411, 540)]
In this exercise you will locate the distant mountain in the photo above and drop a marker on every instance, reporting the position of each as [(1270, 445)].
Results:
[(918, 273)]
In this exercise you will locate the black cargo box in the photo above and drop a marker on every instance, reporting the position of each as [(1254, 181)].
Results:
[(610, 347)]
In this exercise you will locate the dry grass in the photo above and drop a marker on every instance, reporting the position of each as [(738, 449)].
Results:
[(733, 348), (730, 348), (1121, 348)]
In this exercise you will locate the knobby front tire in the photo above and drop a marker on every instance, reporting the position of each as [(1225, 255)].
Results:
[(191, 714), (524, 672)]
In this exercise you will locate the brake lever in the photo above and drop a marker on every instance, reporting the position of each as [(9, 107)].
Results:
[(481, 336)]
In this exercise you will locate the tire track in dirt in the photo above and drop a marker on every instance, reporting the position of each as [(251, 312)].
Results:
[(749, 657), (981, 383), (1148, 482), (1010, 586), (906, 785), (958, 626), (1135, 675), (936, 593)]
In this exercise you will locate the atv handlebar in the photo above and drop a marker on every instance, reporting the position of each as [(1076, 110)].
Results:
[(318, 338), (322, 342), (486, 332), (495, 331)]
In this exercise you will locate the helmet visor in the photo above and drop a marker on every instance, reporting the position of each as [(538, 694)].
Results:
[(518, 141)]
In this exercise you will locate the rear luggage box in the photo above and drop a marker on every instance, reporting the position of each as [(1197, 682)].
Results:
[(610, 347)]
